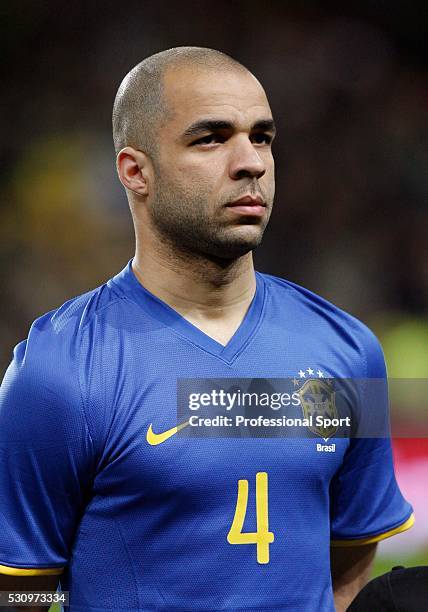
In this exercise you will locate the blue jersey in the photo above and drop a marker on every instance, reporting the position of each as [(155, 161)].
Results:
[(97, 485)]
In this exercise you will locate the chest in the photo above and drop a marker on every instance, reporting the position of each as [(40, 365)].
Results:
[(145, 457)]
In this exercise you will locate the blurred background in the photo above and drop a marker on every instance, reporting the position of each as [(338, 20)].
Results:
[(348, 87)]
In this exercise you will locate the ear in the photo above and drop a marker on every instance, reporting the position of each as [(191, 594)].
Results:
[(133, 167)]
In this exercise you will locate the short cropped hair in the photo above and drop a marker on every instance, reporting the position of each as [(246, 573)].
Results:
[(140, 106)]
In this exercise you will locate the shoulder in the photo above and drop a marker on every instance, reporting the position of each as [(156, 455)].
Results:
[(42, 384), (54, 338), (305, 310)]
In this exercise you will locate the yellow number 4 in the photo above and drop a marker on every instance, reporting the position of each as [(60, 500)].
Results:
[(262, 537)]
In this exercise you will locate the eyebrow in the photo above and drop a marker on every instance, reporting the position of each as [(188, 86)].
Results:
[(213, 125)]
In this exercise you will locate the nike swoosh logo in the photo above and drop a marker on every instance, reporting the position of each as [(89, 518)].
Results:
[(157, 438)]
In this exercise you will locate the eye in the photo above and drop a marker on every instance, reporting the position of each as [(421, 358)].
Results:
[(209, 139), (261, 138)]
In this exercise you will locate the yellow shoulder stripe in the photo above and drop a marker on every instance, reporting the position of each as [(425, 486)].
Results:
[(30, 571), (382, 536)]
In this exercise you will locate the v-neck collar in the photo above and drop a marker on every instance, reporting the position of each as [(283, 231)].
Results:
[(161, 311)]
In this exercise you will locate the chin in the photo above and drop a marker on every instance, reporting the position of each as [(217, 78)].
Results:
[(233, 249)]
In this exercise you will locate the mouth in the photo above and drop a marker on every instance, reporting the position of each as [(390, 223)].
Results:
[(252, 205)]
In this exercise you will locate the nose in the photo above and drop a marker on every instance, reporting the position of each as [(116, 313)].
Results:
[(245, 160)]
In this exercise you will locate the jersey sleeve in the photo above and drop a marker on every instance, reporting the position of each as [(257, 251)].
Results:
[(47, 455), (365, 501)]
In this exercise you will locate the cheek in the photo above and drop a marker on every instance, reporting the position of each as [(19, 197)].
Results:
[(202, 178), (209, 163), (270, 168), (268, 179)]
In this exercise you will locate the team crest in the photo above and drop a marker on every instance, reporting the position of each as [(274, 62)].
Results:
[(317, 398)]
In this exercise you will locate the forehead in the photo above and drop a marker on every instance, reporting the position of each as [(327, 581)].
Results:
[(192, 92)]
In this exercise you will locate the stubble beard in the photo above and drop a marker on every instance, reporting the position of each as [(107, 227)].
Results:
[(183, 225)]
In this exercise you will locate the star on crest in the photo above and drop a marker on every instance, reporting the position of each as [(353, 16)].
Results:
[(306, 374)]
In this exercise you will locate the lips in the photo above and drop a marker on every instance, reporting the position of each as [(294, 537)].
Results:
[(249, 206), (248, 200)]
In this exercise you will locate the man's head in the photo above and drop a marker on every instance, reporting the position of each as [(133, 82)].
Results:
[(192, 130)]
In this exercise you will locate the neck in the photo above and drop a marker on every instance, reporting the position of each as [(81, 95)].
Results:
[(193, 283)]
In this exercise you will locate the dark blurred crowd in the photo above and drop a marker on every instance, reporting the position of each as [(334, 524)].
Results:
[(349, 93)]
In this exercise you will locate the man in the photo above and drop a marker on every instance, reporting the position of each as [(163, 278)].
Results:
[(403, 588), (98, 486)]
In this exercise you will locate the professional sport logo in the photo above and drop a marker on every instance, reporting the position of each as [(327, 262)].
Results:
[(318, 402)]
